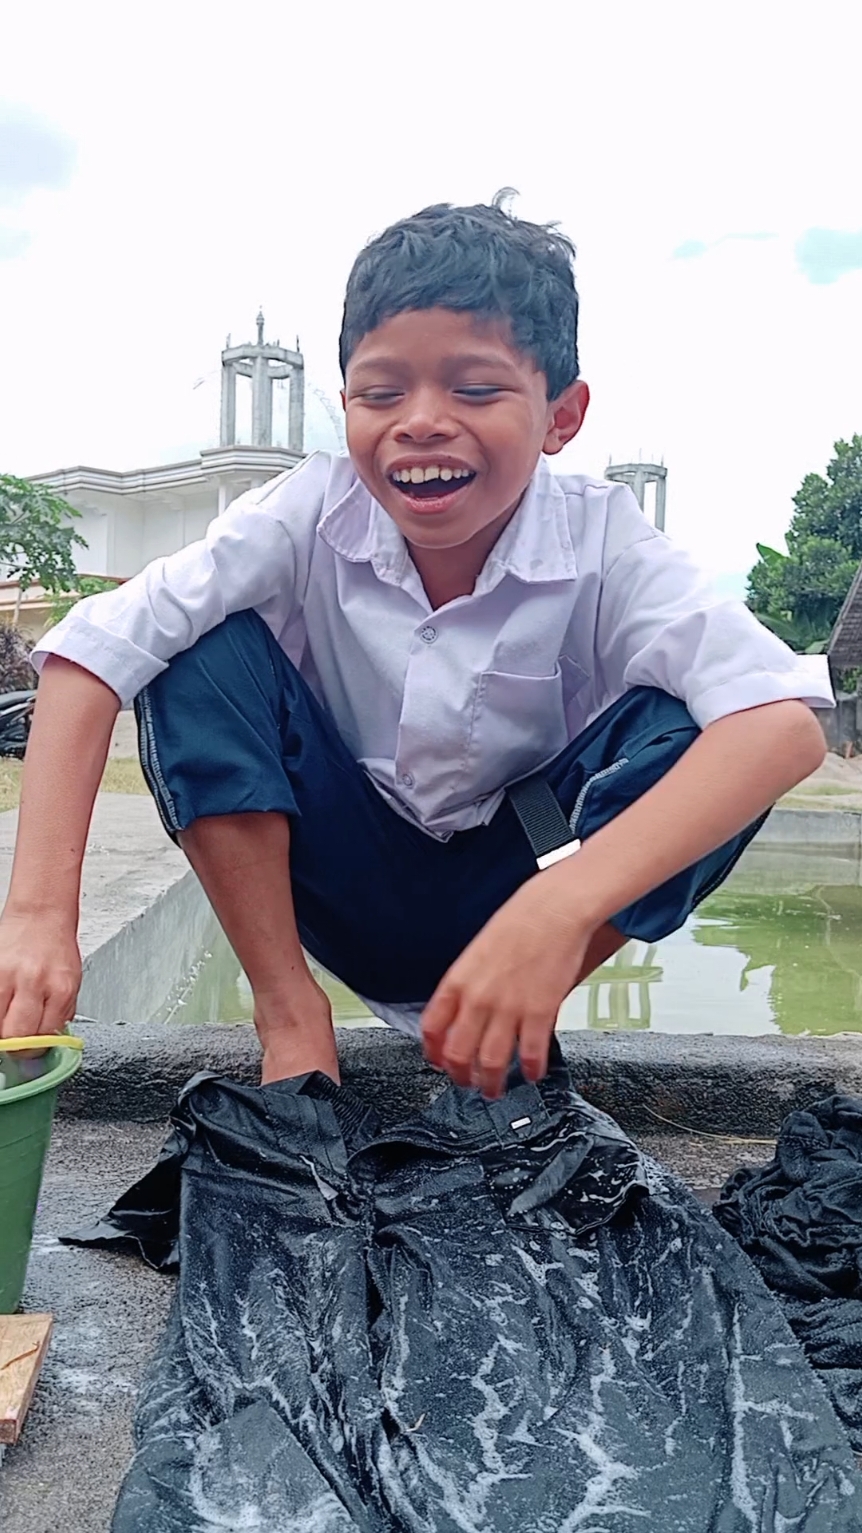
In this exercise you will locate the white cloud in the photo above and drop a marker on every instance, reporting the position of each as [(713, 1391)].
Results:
[(228, 158)]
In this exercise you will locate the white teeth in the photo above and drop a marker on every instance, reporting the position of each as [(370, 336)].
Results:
[(419, 475)]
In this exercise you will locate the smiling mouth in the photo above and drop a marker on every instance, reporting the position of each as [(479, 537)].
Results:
[(434, 484)]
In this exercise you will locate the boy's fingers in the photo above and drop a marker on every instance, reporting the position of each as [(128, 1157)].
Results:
[(59, 1010), (23, 1015), (462, 1041), (437, 1018), (495, 1057), (533, 1046)]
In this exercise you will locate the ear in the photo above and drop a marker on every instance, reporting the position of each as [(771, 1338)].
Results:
[(343, 400), (567, 416)]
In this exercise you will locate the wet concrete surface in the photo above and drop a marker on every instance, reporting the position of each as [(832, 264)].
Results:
[(108, 1313), (726, 1085), (110, 1310)]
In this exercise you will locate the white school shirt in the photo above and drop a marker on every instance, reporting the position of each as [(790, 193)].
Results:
[(579, 600)]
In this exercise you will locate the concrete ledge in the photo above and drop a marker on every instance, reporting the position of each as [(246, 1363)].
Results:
[(144, 918), (718, 1085), (134, 970), (813, 827)]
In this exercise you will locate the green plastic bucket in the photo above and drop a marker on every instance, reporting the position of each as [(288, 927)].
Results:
[(26, 1115)]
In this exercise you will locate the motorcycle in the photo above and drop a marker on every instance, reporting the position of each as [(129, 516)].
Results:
[(16, 716)]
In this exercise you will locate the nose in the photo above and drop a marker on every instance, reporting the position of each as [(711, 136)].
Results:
[(425, 417)]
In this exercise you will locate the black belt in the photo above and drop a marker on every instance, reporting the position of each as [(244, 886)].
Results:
[(545, 826)]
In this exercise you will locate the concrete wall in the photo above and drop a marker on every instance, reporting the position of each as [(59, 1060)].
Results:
[(125, 532), (134, 973), (92, 526), (844, 723), (125, 539), (170, 526), (840, 829)]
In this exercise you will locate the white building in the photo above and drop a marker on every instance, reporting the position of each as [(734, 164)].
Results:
[(130, 517)]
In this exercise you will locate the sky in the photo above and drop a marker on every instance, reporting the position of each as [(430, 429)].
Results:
[(166, 170)]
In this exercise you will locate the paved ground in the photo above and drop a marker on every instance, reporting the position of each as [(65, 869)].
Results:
[(109, 1311), (129, 864), (837, 784), (124, 742), (65, 1471)]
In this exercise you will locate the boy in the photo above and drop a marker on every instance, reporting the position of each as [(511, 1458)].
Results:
[(338, 687)]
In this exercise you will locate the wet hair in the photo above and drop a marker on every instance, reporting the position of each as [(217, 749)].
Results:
[(479, 260)]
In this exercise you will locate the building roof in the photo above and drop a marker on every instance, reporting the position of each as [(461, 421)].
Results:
[(845, 641), (212, 461)]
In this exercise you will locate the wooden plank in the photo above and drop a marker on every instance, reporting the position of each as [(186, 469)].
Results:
[(23, 1344)]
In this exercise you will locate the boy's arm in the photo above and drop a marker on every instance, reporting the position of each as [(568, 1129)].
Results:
[(509, 983), (40, 966), (658, 624), (255, 554)]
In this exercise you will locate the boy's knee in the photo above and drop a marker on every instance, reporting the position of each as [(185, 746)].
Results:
[(242, 638), (237, 653)]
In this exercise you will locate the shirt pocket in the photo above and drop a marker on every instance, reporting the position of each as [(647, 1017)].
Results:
[(518, 725), (577, 693)]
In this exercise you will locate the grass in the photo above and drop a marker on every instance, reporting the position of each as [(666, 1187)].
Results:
[(828, 789), (120, 777)]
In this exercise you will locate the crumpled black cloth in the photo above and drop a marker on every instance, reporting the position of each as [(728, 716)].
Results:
[(800, 1220), (494, 1318)]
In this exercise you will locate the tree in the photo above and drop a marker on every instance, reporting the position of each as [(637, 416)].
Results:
[(85, 585), (799, 594), (37, 536), (16, 672)]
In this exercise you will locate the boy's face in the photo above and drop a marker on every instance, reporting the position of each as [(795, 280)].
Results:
[(446, 422)]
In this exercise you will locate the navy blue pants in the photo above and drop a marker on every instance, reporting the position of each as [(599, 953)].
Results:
[(231, 726)]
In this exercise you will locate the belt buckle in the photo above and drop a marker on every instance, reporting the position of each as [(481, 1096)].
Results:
[(548, 859)]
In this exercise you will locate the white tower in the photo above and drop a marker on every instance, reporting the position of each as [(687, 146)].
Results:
[(263, 363), (638, 476)]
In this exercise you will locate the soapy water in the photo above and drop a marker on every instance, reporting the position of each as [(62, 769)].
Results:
[(17, 1070)]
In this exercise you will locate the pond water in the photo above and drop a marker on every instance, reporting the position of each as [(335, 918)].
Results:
[(777, 949)]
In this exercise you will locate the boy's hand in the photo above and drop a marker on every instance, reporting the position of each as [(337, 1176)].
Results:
[(40, 974), (505, 990)]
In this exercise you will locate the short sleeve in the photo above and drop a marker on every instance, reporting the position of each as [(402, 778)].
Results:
[(250, 556), (660, 624)]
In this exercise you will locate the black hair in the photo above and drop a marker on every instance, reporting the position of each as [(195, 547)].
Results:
[(479, 260)]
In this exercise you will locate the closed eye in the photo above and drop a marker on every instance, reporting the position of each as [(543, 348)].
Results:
[(378, 396), (479, 391)]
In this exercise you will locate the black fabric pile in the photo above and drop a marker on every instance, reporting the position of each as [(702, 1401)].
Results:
[(495, 1317), (800, 1220)]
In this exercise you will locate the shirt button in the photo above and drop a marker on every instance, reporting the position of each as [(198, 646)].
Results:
[(428, 634), (407, 779)]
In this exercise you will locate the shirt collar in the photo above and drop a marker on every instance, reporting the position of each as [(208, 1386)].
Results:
[(536, 546), (358, 529)]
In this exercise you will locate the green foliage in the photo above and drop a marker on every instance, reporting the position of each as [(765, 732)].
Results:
[(36, 535), (85, 585), (801, 633), (799, 594)]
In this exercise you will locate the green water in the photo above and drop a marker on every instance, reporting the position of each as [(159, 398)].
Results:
[(777, 949)]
